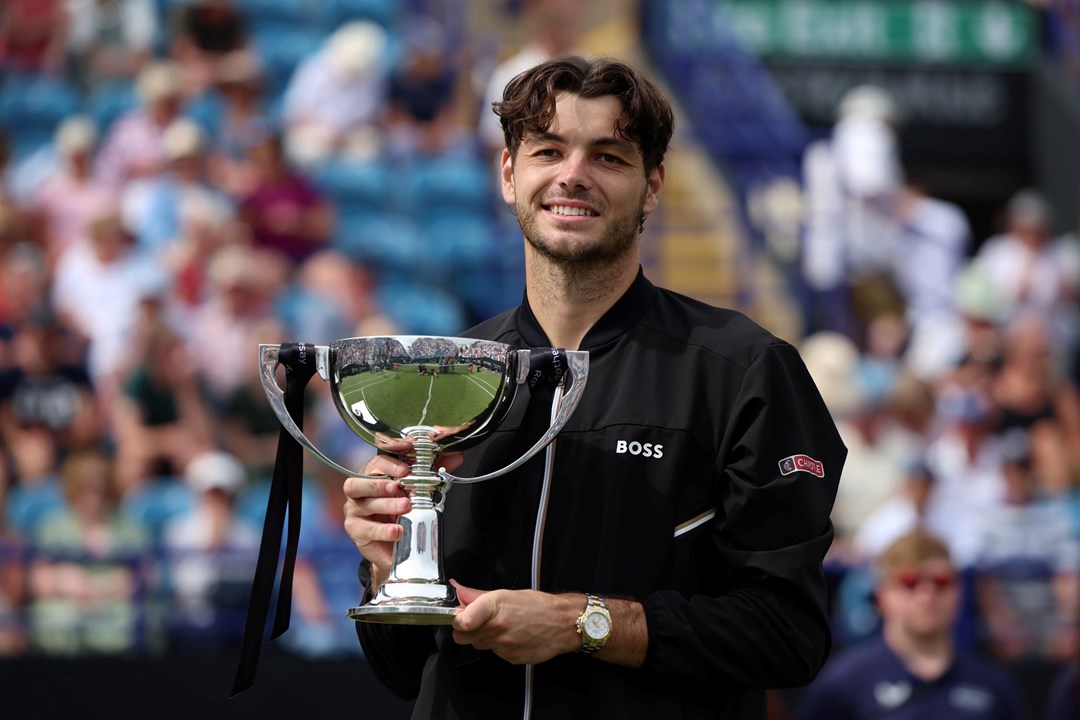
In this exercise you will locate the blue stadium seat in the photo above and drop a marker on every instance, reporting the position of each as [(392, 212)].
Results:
[(278, 12), (31, 107), (456, 242), (27, 505), (281, 49), (389, 244), (157, 502), (355, 186), (109, 101), (441, 186), (384, 12), (422, 309)]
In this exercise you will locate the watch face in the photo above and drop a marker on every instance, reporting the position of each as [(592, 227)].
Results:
[(597, 625)]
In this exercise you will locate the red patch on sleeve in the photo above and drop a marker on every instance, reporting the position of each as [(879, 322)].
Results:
[(795, 463)]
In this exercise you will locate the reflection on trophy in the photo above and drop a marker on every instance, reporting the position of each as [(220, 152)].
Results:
[(418, 396)]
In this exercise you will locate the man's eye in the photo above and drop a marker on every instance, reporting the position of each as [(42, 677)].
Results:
[(546, 152), (615, 159)]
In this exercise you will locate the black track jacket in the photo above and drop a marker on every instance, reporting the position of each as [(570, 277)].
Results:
[(697, 476)]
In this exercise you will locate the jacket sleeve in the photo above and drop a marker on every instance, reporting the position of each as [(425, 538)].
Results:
[(778, 467), (396, 653)]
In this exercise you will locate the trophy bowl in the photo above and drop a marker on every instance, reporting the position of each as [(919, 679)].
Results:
[(416, 397)]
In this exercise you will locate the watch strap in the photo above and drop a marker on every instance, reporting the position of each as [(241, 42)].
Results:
[(593, 604)]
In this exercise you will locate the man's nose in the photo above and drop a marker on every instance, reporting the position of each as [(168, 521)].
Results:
[(575, 171)]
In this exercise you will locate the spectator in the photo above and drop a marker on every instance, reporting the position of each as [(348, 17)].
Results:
[(24, 285), (206, 32), (96, 292), (914, 670), (237, 307), (241, 121), (1035, 396), (336, 97), (971, 333), (1029, 567), (249, 428), (33, 34), (152, 206), (162, 419), (965, 457), (550, 28), (110, 41), (933, 244), (134, 145), (71, 195), (1031, 270), (47, 390), (284, 211), (88, 574), (900, 514), (421, 117), (210, 553), (206, 225), (852, 182)]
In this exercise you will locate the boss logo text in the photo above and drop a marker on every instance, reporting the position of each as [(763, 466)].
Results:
[(633, 447)]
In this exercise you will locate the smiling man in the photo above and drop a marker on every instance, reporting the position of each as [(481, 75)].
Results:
[(663, 558)]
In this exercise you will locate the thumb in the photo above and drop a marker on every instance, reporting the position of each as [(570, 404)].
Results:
[(466, 595)]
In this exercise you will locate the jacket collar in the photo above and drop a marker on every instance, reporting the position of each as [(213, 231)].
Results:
[(623, 315)]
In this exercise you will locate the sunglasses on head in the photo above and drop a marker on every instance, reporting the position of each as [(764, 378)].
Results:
[(911, 578)]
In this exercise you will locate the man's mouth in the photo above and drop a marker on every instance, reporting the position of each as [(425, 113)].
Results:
[(570, 210)]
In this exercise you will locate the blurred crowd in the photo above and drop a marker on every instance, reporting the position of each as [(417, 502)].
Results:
[(950, 363), (181, 180)]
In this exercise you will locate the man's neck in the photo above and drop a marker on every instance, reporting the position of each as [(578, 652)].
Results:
[(567, 300), (925, 657)]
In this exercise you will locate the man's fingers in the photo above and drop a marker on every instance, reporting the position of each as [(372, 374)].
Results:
[(474, 616), (386, 465), (466, 595)]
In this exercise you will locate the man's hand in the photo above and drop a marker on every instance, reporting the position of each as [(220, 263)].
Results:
[(372, 507), (526, 627), (523, 627)]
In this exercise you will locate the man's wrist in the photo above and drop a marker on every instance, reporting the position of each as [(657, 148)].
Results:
[(370, 577)]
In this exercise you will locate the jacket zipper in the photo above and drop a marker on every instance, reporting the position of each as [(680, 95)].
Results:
[(538, 543)]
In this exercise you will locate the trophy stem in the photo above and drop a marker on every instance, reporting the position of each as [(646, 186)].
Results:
[(416, 592), (424, 451)]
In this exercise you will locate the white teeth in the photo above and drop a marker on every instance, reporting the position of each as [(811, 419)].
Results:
[(567, 210)]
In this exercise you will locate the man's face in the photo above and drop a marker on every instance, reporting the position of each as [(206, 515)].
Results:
[(921, 601), (580, 191)]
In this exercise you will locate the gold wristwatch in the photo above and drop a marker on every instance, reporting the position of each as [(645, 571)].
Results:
[(593, 625)]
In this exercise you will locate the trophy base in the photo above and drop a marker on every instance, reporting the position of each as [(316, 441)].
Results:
[(403, 614)]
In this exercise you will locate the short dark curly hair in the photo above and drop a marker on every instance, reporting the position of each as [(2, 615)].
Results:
[(528, 103)]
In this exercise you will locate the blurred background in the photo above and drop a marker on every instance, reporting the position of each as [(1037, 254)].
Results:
[(892, 186)]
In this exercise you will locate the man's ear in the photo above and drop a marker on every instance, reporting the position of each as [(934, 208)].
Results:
[(506, 174), (653, 188)]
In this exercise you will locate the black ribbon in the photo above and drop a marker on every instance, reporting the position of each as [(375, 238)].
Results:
[(285, 495), (547, 367)]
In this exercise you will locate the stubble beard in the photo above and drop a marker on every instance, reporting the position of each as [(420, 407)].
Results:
[(619, 241)]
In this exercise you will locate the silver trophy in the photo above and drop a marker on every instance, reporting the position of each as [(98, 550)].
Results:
[(418, 396)]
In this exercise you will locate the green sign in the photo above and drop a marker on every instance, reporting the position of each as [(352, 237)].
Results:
[(942, 32)]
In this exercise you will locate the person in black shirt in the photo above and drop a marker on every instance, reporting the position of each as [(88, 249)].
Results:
[(686, 502)]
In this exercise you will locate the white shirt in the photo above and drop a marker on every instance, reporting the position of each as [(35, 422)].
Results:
[(340, 105), (103, 300)]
